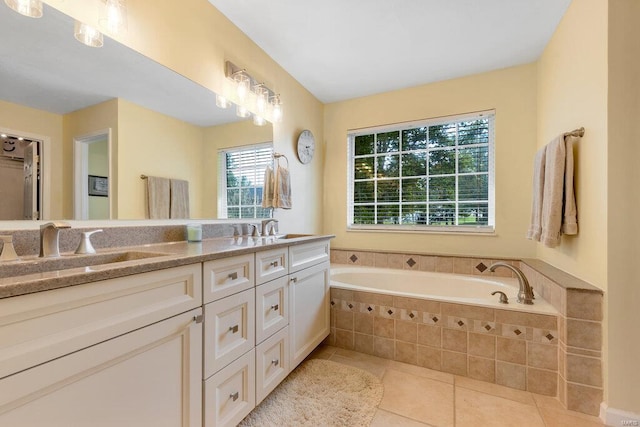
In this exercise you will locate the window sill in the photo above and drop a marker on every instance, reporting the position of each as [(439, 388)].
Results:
[(457, 231)]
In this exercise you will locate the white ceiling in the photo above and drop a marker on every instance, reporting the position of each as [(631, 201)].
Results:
[(343, 49)]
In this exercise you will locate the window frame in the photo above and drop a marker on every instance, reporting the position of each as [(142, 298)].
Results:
[(488, 229), (223, 211)]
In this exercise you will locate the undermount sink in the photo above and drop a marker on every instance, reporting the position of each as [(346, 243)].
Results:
[(292, 236), (34, 265)]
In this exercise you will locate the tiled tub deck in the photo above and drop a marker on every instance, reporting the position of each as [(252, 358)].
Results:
[(545, 354)]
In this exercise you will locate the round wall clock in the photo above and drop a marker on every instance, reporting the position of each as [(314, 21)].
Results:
[(306, 146)]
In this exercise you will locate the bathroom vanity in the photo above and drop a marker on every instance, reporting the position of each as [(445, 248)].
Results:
[(197, 334)]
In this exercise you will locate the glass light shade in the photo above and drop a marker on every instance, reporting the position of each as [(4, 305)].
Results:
[(243, 84), (262, 99), (113, 16), (221, 101), (242, 111), (88, 35), (30, 8), (277, 110), (259, 120)]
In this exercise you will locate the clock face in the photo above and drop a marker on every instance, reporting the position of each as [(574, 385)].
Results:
[(306, 146)]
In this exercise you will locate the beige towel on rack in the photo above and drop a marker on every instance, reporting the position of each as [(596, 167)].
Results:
[(268, 189), (158, 197), (570, 211), (535, 227), (282, 195), (179, 198), (553, 192)]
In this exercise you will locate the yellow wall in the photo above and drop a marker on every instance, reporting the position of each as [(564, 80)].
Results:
[(511, 92), (225, 136), (194, 39), (25, 120), (151, 143), (623, 197), (99, 165), (99, 117), (572, 92)]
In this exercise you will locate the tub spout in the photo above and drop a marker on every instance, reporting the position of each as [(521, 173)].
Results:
[(525, 294)]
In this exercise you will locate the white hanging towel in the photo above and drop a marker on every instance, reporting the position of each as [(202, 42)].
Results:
[(282, 189), (268, 189)]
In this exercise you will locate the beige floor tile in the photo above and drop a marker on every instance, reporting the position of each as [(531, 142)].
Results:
[(547, 401), (322, 352), (495, 390), (474, 408), (389, 419), (564, 418), (420, 399), (421, 372), (372, 367), (361, 356)]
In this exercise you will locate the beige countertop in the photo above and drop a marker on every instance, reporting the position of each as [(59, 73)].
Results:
[(169, 255)]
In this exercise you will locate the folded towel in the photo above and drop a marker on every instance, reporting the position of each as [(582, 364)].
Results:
[(268, 189), (570, 217), (535, 227), (552, 197), (179, 198), (158, 196), (282, 195)]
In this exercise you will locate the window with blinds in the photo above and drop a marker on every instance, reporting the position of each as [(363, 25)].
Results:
[(241, 181), (434, 174)]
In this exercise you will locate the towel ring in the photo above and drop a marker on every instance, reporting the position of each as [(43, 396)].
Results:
[(277, 156)]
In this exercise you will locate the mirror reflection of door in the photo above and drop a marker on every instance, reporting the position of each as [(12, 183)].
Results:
[(91, 179), (20, 178)]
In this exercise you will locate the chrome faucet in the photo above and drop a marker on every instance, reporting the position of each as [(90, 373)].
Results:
[(525, 294), (8, 252), (265, 226), (49, 239)]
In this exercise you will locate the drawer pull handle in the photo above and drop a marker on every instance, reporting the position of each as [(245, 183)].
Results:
[(275, 307), (233, 276), (275, 362), (234, 396), (294, 279), (274, 264), (233, 328)]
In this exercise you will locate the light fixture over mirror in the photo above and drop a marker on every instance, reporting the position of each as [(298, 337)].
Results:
[(88, 35), (113, 16), (252, 95), (30, 8)]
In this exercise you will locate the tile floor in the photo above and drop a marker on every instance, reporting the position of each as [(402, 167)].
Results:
[(416, 396)]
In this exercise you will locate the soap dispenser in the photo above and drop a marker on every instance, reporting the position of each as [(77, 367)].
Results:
[(85, 246)]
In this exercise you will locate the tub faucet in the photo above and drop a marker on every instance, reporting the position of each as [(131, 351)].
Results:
[(265, 226), (49, 241), (525, 294)]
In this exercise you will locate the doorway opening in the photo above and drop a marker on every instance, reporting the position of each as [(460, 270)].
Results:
[(21, 180), (92, 176)]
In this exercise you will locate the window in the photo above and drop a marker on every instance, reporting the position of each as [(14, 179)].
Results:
[(430, 175), (241, 179)]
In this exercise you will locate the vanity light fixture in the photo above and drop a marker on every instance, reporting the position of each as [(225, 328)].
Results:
[(254, 95), (113, 16), (241, 111), (88, 35), (259, 120), (30, 8), (221, 101)]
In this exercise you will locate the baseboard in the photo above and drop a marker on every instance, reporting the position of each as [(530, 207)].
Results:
[(618, 418)]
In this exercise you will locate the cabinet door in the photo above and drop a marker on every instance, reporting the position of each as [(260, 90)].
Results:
[(149, 377), (271, 264), (308, 254), (229, 330), (272, 307), (227, 276), (308, 310)]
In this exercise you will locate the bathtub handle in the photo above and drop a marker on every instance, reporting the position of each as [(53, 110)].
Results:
[(503, 297)]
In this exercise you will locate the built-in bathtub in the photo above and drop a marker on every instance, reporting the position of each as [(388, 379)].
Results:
[(447, 322)]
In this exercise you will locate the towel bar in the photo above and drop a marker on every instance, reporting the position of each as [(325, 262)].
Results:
[(576, 132)]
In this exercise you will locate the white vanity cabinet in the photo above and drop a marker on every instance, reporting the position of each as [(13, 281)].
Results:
[(119, 352)]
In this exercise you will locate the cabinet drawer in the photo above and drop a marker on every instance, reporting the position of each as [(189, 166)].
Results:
[(272, 363), (228, 276), (230, 394), (272, 309), (308, 254), (229, 330), (271, 264), (42, 326)]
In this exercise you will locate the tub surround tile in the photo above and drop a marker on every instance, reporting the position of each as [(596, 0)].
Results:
[(584, 370), (430, 357), (543, 382), (410, 315), (458, 323), (584, 305), (468, 311), (363, 343), (584, 334), (433, 319), (384, 327), (383, 347), (484, 327), (421, 372), (545, 336), (533, 320), (381, 260), (582, 352), (583, 398), (482, 345), (463, 265), (427, 263), (366, 365), (406, 352), (518, 332), (542, 356), (389, 312), (417, 304), (411, 262), (514, 351), (372, 298), (406, 331), (454, 363), (344, 319), (511, 375), (430, 335), (444, 264), (395, 261), (363, 323), (454, 340), (342, 294), (344, 339), (482, 369)]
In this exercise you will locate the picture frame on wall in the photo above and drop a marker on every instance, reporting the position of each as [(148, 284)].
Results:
[(98, 186)]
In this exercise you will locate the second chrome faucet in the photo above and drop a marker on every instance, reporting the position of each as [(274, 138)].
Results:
[(50, 238), (525, 293)]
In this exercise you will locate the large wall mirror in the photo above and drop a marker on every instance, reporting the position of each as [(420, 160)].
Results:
[(97, 119)]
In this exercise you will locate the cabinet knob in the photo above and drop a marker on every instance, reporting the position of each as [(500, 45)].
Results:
[(233, 329), (275, 307), (233, 276), (294, 279), (234, 396), (274, 263), (275, 362)]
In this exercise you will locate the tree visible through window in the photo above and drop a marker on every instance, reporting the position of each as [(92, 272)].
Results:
[(434, 173), (242, 180)]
